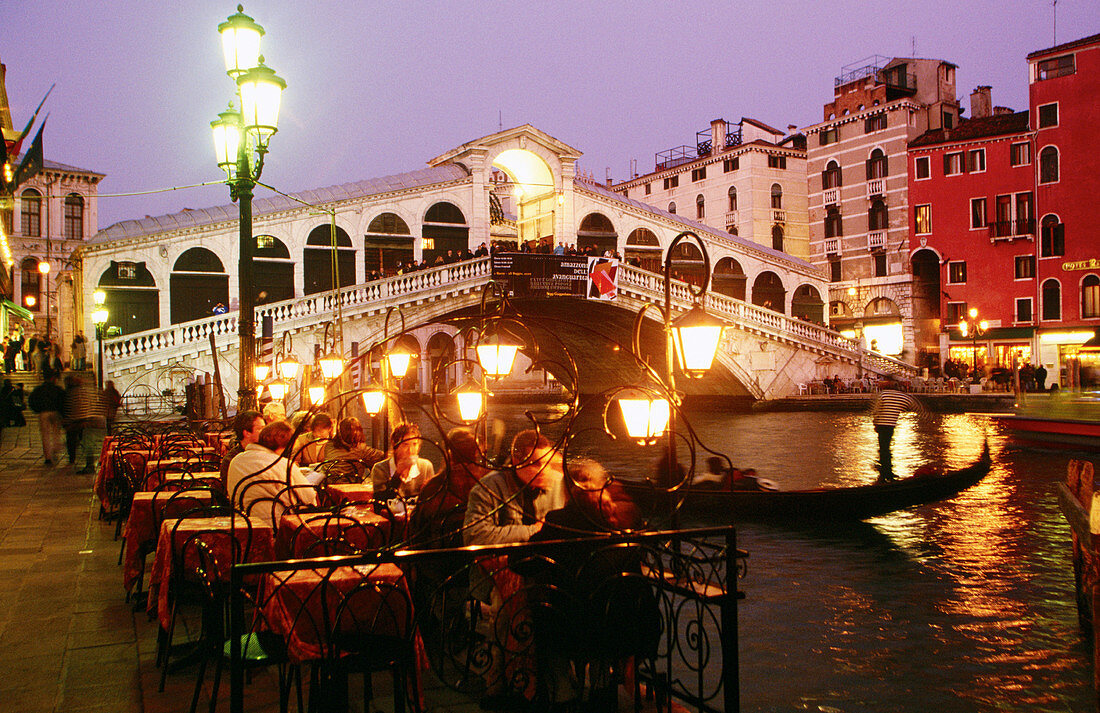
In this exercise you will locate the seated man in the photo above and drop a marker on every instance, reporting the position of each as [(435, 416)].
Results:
[(246, 429), (310, 447), (259, 473), (404, 472), (509, 505)]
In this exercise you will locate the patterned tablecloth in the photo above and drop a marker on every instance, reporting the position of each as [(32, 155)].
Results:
[(300, 533)]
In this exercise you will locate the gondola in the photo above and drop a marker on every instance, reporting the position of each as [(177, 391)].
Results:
[(833, 504)]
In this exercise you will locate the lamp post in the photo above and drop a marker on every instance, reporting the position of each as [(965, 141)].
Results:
[(975, 329), (99, 319), (240, 142), (44, 268), (691, 341)]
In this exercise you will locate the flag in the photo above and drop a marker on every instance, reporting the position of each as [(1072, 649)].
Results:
[(18, 145), (32, 161)]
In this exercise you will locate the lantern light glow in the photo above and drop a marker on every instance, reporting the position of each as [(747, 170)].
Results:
[(645, 419)]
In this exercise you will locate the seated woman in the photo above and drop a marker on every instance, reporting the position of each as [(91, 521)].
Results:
[(310, 446), (262, 482), (349, 447)]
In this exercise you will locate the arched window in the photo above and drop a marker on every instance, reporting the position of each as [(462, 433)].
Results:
[(197, 285), (777, 196), (1090, 297), (700, 207), (672, 208), (317, 259), (733, 198), (444, 212), (729, 278), (876, 165), (1052, 237), (30, 284), (74, 217), (877, 216), (437, 240), (272, 270), (387, 245), (777, 237), (1048, 165), (831, 176), (644, 250), (1052, 300), (391, 224), (31, 213), (596, 232)]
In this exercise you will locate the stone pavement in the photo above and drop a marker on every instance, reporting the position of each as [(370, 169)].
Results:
[(68, 640)]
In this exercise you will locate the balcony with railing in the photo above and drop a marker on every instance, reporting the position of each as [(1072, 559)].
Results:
[(1021, 228), (831, 196), (731, 218), (832, 246), (779, 215), (898, 82), (704, 143), (876, 187), (876, 240)]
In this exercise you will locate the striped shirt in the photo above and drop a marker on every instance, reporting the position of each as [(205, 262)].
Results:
[(890, 404)]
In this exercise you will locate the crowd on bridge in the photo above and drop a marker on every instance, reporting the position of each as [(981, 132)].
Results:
[(483, 250)]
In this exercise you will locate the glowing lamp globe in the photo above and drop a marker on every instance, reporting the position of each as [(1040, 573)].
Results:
[(240, 42), (645, 418), (316, 394), (496, 356), (261, 92), (373, 401), (471, 402), (399, 361), (331, 366), (289, 366), (99, 316), (227, 140), (261, 371), (695, 337), (99, 297), (277, 389)]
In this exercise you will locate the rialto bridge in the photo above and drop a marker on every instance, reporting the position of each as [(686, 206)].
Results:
[(163, 276)]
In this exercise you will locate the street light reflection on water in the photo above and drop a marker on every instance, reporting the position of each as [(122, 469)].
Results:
[(966, 604)]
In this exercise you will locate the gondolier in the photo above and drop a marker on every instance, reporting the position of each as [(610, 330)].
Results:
[(890, 404)]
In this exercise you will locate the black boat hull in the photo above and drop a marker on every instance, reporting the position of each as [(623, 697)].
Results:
[(856, 503)]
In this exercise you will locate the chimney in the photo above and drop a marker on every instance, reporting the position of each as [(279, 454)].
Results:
[(717, 136), (981, 102), (1002, 110), (791, 128)]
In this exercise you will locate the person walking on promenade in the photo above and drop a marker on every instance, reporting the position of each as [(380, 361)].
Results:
[(48, 401), (890, 403), (84, 418), (112, 401), (79, 354)]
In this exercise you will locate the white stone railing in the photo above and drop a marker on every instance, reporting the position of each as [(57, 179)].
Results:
[(749, 316), (190, 338), (875, 187), (830, 195)]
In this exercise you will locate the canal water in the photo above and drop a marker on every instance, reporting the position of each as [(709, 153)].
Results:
[(965, 605)]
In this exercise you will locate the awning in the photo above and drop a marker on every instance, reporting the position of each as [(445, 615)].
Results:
[(994, 334), (18, 311)]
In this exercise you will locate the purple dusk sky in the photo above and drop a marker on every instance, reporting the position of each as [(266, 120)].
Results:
[(380, 87)]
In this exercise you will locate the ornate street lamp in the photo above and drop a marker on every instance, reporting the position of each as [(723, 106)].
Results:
[(646, 417), (240, 143), (496, 354), (99, 319), (44, 269), (975, 329)]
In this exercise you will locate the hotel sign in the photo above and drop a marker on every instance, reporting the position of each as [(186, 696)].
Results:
[(1091, 264)]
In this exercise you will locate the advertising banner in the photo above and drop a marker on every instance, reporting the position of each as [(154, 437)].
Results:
[(543, 275)]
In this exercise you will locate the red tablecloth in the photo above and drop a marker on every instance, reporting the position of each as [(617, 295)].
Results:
[(142, 458), (141, 529), (340, 493), (299, 533), (160, 578), (295, 604)]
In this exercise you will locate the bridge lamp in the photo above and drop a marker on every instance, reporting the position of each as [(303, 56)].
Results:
[(373, 400), (471, 401), (261, 371), (496, 355), (30, 300), (99, 319), (316, 393), (695, 337), (646, 418)]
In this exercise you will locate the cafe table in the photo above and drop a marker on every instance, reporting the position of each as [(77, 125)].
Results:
[(174, 533), (147, 509), (340, 493), (144, 459), (300, 533), (301, 606)]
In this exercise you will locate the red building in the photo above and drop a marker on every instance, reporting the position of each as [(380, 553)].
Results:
[(1065, 113), (998, 219)]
